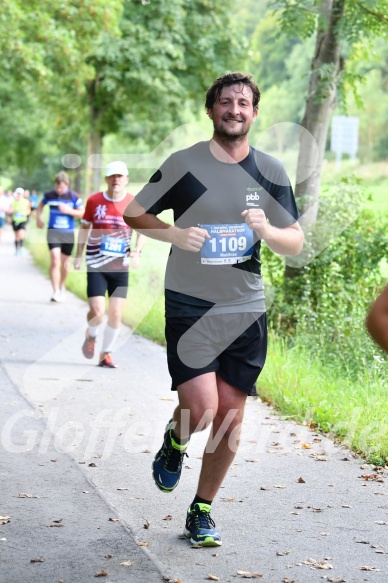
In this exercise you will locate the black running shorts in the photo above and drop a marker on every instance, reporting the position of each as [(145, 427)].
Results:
[(19, 226), (113, 282), (61, 239), (233, 345)]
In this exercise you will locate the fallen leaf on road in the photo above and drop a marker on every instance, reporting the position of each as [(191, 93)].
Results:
[(23, 495), (4, 519), (280, 486), (122, 488), (56, 523), (142, 543), (213, 578), (380, 522), (39, 560), (147, 524), (301, 481), (366, 568), (113, 519), (283, 553), (305, 445), (93, 465), (317, 564), (127, 563), (372, 477), (249, 575), (101, 574), (168, 517)]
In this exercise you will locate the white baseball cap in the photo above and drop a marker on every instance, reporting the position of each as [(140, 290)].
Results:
[(19, 190), (116, 168)]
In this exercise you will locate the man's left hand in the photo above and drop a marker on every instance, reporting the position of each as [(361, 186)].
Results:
[(64, 209), (257, 221), (135, 256)]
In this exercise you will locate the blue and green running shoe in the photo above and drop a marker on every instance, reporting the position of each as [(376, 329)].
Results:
[(200, 527), (167, 465)]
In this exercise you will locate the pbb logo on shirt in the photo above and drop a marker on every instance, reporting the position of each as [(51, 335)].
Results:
[(252, 199)]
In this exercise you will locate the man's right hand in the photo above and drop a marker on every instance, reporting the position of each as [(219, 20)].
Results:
[(39, 223), (77, 263), (191, 239)]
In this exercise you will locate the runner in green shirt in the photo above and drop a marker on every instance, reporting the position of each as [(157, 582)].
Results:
[(20, 210)]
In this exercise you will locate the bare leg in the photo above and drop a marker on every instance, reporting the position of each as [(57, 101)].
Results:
[(202, 400), (115, 311), (96, 311), (198, 403), (223, 441), (55, 268), (63, 270)]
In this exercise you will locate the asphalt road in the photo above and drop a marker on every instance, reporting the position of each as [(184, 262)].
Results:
[(77, 500)]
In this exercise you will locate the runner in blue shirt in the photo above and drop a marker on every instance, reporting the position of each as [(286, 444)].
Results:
[(65, 206)]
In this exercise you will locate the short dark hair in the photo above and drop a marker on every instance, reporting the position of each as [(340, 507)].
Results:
[(214, 93), (62, 177)]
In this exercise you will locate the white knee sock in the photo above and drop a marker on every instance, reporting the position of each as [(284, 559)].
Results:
[(93, 330), (110, 336)]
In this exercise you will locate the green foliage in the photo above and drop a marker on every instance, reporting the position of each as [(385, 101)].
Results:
[(331, 294), (298, 19), (167, 55), (42, 77)]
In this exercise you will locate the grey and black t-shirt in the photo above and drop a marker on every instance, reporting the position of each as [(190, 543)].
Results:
[(201, 190)]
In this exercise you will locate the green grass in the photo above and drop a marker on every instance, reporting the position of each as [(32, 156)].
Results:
[(374, 177), (302, 388)]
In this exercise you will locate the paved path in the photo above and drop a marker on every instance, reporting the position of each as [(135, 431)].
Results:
[(77, 443)]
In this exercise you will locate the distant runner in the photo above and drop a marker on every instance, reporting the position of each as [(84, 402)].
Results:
[(108, 254), (65, 206), (20, 210)]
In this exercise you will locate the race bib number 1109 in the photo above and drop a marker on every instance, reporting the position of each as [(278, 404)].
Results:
[(228, 244)]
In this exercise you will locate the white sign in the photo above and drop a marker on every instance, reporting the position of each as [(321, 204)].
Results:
[(344, 135)]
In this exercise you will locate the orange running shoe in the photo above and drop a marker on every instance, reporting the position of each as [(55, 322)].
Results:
[(88, 345), (106, 360)]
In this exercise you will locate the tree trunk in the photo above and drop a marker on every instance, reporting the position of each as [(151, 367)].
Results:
[(325, 69), (93, 174)]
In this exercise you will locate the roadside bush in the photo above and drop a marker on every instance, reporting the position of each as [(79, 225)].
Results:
[(324, 302)]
